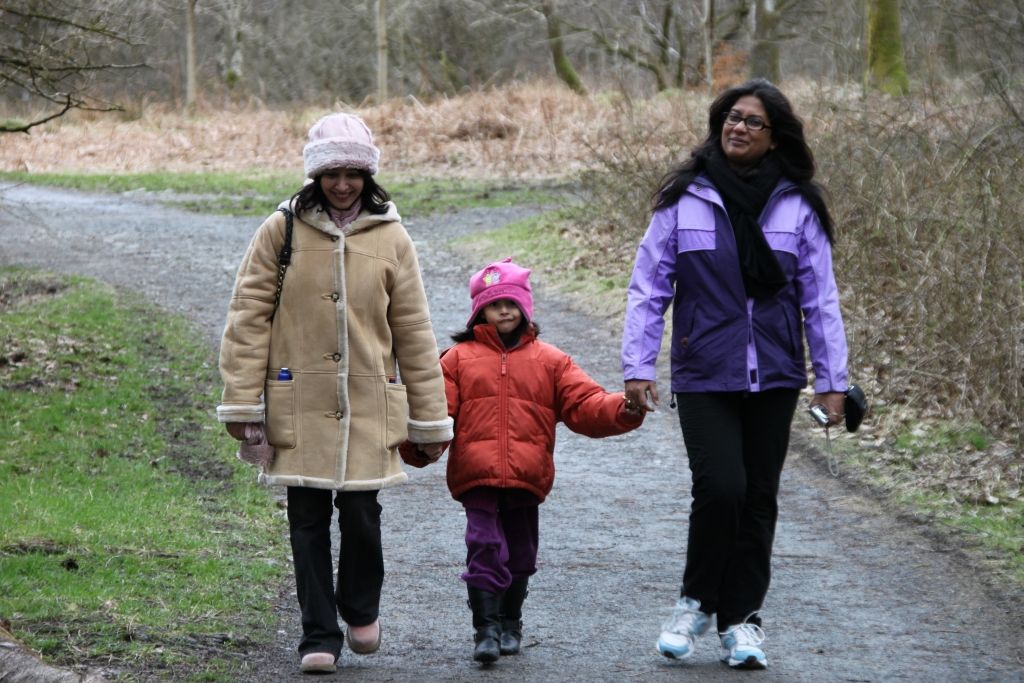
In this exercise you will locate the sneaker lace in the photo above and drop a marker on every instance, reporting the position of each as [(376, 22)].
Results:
[(683, 620), (748, 634)]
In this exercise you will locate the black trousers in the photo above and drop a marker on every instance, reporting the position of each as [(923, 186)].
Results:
[(360, 563), (736, 444)]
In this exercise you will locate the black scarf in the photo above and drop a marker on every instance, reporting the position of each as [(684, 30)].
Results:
[(744, 197)]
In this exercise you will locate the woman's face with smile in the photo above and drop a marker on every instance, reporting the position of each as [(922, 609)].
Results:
[(342, 187), (741, 145)]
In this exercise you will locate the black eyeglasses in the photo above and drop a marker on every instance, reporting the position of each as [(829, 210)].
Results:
[(752, 122)]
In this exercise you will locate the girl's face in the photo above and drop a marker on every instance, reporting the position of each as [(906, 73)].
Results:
[(743, 146), (504, 315), (342, 187)]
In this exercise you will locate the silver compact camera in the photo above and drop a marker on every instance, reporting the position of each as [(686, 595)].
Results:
[(819, 413)]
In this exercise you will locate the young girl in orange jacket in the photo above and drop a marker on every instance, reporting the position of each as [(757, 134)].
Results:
[(506, 391)]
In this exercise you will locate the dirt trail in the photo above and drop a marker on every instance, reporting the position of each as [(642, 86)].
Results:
[(858, 595)]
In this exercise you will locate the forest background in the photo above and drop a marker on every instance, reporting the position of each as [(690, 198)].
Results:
[(915, 112)]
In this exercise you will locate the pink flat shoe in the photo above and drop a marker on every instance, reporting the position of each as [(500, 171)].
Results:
[(318, 663), (364, 640)]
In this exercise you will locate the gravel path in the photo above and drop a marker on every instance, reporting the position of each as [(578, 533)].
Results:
[(858, 595)]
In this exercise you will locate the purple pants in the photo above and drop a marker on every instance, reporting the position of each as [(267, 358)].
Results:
[(501, 537)]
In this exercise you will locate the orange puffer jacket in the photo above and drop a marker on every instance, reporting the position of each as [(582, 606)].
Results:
[(506, 402)]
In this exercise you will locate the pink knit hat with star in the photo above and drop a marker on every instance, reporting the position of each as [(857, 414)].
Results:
[(501, 280), (340, 141)]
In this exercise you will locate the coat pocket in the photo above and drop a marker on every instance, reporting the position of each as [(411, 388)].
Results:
[(782, 239), (695, 225), (396, 404), (280, 399), (696, 239)]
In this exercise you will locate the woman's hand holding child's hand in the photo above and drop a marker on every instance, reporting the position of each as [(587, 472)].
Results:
[(433, 451), (637, 393), (421, 454)]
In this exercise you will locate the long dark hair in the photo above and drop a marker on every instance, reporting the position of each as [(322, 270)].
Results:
[(791, 150), (374, 198)]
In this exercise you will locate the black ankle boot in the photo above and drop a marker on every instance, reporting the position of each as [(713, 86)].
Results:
[(511, 614), (485, 620)]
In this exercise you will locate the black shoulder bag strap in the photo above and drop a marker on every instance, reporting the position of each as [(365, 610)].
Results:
[(284, 258)]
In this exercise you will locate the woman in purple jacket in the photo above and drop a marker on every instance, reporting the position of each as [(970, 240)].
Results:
[(740, 245)]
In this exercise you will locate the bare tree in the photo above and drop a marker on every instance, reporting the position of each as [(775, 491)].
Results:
[(886, 70), (46, 55), (232, 38), (382, 50), (651, 39), (190, 55), (708, 34), (563, 67), (766, 37)]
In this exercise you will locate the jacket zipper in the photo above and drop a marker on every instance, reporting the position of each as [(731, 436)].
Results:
[(503, 417)]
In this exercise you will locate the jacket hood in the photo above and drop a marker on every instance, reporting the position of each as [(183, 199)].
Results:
[(321, 220)]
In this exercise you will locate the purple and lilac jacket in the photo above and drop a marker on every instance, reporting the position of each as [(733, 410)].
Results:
[(721, 340)]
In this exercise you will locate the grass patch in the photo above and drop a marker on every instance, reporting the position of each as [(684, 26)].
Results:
[(955, 474), (255, 194), (132, 537)]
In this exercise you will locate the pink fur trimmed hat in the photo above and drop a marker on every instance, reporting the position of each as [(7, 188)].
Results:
[(340, 141), (501, 280)]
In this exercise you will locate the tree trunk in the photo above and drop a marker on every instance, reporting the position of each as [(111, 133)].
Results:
[(382, 51), (563, 67), (232, 58), (886, 71), (190, 55), (764, 54), (708, 26)]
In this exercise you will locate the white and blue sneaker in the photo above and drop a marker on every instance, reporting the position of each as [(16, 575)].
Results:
[(740, 647), (681, 630)]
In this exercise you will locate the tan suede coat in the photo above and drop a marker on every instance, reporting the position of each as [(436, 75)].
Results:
[(354, 329)]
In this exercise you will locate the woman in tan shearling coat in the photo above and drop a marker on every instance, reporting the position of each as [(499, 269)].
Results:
[(353, 328)]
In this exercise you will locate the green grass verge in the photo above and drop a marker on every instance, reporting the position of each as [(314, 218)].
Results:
[(131, 535), (953, 474), (257, 194)]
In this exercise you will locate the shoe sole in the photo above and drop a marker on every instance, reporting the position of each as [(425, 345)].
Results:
[(668, 652), (318, 668), (751, 663), (366, 649)]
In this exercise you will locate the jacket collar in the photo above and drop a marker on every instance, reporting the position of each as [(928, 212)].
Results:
[(703, 188), (488, 334), (321, 220)]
